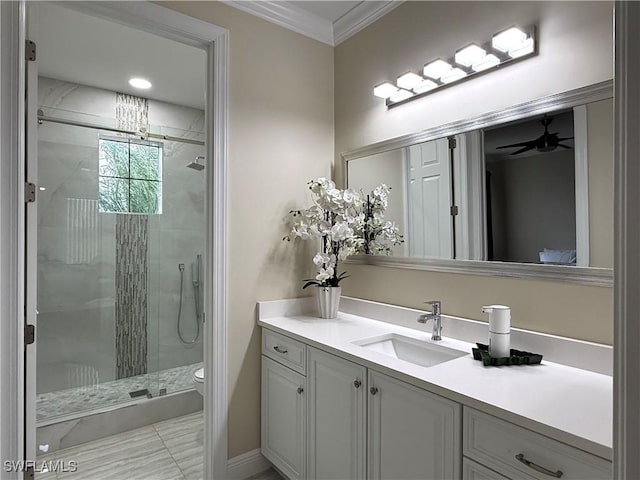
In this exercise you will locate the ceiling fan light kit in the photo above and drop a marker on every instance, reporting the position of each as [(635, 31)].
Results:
[(547, 142), (505, 47)]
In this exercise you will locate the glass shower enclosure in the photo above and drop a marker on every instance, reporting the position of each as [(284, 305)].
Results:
[(120, 243)]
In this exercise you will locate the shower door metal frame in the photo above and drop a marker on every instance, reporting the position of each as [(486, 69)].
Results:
[(170, 24)]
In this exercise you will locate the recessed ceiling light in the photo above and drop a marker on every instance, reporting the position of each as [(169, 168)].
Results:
[(42, 189), (141, 83)]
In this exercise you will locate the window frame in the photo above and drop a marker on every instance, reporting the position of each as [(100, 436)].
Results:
[(160, 170)]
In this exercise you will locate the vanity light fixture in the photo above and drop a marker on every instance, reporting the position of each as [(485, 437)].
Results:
[(504, 47), (413, 81), (485, 63), (470, 55), (454, 75), (385, 90), (509, 39), (409, 81), (401, 95), (437, 69)]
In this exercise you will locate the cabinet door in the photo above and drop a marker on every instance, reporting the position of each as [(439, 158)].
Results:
[(412, 433), (337, 417), (474, 471), (283, 418)]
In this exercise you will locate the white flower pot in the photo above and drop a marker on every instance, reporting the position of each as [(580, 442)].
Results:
[(328, 301)]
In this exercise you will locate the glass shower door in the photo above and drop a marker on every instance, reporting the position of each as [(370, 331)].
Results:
[(97, 336)]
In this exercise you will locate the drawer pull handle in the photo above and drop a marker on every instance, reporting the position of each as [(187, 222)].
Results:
[(538, 468), (300, 390), (357, 383), (373, 390), (280, 350)]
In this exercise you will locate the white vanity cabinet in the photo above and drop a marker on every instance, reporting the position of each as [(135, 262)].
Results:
[(284, 406), (515, 452), (328, 417), (359, 424), (412, 433), (337, 401)]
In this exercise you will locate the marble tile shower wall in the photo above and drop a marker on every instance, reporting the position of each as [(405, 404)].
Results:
[(76, 245)]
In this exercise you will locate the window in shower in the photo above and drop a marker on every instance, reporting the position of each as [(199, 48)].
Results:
[(130, 176)]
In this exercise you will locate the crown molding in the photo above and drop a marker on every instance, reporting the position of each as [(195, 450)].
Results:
[(284, 14), (288, 16), (360, 17)]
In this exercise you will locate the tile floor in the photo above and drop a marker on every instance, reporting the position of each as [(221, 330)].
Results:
[(168, 450)]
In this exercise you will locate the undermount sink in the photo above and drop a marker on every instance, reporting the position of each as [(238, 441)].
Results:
[(418, 352)]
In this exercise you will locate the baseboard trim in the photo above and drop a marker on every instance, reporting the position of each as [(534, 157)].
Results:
[(247, 464)]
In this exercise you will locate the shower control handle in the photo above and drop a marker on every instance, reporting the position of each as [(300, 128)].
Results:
[(280, 350)]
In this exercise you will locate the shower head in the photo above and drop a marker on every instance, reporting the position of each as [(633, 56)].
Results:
[(196, 165)]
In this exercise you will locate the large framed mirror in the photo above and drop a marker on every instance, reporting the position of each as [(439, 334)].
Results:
[(526, 191)]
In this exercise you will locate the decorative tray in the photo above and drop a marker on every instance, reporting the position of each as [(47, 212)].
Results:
[(517, 357)]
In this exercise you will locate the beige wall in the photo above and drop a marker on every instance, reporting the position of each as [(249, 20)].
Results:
[(575, 49), (280, 136)]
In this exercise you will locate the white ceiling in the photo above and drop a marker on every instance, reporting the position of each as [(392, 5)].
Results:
[(79, 48)]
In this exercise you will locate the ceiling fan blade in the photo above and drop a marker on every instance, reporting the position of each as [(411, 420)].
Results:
[(565, 146), (530, 147), (565, 138), (530, 144)]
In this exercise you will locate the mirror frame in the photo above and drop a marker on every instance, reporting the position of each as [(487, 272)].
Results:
[(602, 277)]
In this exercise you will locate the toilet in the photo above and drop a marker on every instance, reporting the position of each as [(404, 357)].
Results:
[(198, 380)]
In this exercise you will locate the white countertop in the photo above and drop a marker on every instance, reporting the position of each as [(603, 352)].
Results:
[(572, 405)]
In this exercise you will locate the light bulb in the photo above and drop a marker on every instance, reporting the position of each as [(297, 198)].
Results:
[(470, 55), (385, 90), (509, 39), (437, 69)]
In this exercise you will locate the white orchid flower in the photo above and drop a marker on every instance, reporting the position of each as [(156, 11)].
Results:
[(341, 231), (324, 274), (321, 259)]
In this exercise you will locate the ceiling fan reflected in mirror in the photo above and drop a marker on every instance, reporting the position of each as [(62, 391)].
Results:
[(546, 142)]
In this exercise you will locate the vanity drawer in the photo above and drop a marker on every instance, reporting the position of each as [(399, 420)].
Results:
[(285, 350), (505, 447)]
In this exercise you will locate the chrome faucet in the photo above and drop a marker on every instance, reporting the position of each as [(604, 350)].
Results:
[(436, 310)]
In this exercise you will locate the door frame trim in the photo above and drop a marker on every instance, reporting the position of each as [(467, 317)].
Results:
[(626, 302), (170, 24), (12, 232)]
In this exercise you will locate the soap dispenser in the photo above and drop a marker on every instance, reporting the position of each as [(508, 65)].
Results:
[(499, 330)]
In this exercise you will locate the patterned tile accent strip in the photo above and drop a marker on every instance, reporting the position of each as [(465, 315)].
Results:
[(132, 113), (84, 399), (131, 294)]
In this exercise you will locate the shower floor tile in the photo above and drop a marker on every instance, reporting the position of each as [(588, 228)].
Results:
[(74, 400), (168, 450)]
